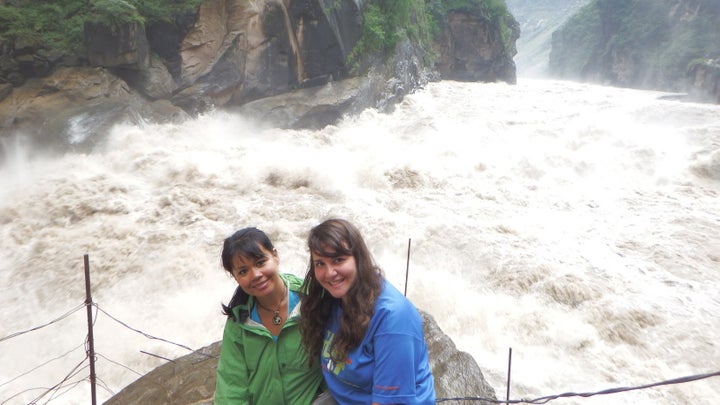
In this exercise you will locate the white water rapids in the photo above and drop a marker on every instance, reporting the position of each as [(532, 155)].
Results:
[(578, 225)]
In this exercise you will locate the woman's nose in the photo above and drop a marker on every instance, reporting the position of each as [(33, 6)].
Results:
[(330, 270)]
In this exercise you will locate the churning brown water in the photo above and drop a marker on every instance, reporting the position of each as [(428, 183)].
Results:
[(577, 224)]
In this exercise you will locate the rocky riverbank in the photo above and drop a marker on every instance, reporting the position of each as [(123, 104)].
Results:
[(191, 378)]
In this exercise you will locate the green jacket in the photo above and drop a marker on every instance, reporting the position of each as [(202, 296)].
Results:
[(255, 369)]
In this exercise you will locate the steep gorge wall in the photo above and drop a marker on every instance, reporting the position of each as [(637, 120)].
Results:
[(538, 19), (637, 43), (231, 53), (705, 80)]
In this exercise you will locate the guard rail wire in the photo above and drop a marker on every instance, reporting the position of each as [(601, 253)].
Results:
[(64, 386)]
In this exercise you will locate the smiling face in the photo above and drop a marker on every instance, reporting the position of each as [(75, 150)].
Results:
[(257, 276), (336, 274)]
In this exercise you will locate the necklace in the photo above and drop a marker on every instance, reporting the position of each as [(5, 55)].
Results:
[(276, 318)]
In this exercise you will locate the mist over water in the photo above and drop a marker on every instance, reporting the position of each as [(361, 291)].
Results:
[(577, 224)]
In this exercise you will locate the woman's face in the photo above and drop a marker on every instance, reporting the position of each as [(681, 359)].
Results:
[(336, 274), (257, 277)]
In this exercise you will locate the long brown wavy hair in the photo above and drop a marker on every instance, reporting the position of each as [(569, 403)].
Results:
[(333, 238)]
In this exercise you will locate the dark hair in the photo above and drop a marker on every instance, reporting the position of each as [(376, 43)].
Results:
[(333, 238), (247, 242)]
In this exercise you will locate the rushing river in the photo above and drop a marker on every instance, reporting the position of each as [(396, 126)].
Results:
[(578, 225)]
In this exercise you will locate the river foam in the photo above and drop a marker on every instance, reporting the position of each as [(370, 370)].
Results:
[(576, 224)]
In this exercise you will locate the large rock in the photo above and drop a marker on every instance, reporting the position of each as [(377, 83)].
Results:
[(155, 81), (122, 45), (456, 373), (705, 80), (191, 378), (473, 48), (315, 107), (74, 108), (312, 108), (240, 51), (231, 53), (48, 105)]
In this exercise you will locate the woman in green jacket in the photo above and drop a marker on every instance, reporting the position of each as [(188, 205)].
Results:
[(262, 360)]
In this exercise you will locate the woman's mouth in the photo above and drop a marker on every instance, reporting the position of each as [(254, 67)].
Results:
[(260, 286), (335, 283)]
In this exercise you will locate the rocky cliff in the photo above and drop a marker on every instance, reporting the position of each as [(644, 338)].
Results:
[(637, 43), (538, 19), (231, 53), (191, 379), (473, 47), (705, 80)]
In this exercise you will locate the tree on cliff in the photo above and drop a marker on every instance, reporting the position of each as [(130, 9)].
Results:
[(198, 55), (58, 25)]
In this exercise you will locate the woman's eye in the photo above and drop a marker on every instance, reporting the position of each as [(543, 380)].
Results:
[(241, 272), (260, 263)]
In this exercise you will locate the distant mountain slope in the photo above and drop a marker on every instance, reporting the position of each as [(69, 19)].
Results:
[(637, 43), (538, 20)]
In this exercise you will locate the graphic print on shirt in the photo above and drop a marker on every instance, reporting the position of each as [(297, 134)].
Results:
[(330, 364)]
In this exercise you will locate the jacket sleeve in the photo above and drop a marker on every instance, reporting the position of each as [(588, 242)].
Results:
[(231, 386)]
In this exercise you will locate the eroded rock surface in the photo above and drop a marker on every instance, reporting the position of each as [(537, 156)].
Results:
[(191, 379)]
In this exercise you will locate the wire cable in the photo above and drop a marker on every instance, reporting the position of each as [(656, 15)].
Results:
[(65, 315), (141, 332), (67, 388), (47, 390), (102, 384), (546, 399), (119, 364), (54, 389), (43, 364)]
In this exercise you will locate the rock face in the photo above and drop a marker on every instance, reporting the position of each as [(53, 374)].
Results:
[(316, 107), (191, 379), (470, 46), (240, 51), (232, 53), (705, 80), (538, 19), (73, 106), (637, 43), (124, 46)]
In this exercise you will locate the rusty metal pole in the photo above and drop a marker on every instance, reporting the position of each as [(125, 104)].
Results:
[(91, 341), (507, 395)]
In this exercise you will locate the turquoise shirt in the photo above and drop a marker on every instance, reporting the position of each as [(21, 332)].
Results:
[(254, 368), (294, 299)]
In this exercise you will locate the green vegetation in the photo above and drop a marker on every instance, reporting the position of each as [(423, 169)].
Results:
[(58, 24), (656, 42), (585, 28), (386, 22), (37, 23), (115, 13)]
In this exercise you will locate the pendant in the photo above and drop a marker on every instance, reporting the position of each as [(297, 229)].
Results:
[(276, 319)]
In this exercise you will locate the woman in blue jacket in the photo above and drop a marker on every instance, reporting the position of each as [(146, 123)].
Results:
[(366, 335)]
